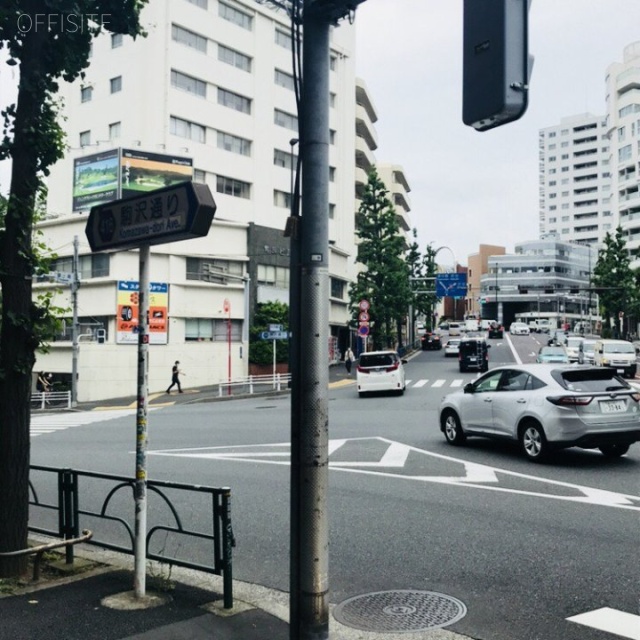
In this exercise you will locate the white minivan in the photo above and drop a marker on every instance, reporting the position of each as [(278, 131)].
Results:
[(617, 354)]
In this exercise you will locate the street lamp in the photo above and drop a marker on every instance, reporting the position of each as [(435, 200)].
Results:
[(455, 262)]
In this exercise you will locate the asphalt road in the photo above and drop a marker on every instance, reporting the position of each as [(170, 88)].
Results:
[(523, 546)]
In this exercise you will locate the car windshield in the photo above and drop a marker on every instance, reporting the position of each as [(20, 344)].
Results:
[(619, 348), (552, 351), (377, 359), (592, 380), (574, 342), (588, 345)]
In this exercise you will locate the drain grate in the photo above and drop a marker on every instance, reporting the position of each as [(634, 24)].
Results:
[(399, 611)]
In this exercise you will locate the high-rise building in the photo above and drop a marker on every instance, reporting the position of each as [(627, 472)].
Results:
[(574, 180), (623, 124)]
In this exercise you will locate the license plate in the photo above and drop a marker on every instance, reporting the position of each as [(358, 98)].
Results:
[(613, 406), (472, 359), (619, 370)]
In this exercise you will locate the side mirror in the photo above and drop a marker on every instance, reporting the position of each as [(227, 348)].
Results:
[(468, 388)]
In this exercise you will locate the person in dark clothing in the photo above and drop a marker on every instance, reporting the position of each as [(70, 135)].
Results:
[(175, 377)]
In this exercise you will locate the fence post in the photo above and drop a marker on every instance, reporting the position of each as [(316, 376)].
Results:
[(251, 385), (68, 509), (227, 545), (68, 399), (219, 390), (43, 399)]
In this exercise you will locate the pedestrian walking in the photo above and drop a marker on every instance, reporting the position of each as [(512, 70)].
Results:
[(175, 377), (348, 360)]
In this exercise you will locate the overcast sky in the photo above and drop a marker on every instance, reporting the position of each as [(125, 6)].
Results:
[(468, 187)]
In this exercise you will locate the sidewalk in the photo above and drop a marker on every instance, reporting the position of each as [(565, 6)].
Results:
[(100, 605)]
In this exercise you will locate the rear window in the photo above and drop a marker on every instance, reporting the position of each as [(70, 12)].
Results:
[(379, 360), (593, 380)]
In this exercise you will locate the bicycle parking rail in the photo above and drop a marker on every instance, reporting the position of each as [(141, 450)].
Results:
[(249, 384)]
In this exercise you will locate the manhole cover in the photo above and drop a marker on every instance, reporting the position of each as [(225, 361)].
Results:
[(399, 611)]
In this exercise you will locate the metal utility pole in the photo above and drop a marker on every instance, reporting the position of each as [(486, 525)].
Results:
[(75, 348), (309, 604)]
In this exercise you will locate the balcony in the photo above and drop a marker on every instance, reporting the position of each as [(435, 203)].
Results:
[(364, 155)]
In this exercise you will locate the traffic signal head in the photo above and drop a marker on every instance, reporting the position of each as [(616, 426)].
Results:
[(495, 62)]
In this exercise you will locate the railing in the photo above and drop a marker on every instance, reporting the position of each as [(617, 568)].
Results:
[(51, 399), (249, 384), (110, 518)]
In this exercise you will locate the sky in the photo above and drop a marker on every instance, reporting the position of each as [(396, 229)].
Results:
[(468, 187)]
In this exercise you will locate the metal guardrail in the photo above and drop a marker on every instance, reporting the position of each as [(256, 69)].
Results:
[(111, 517), (248, 385), (51, 399)]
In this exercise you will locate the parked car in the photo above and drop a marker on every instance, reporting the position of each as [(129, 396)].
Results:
[(473, 353), (545, 407), (572, 347), (553, 354), (585, 351), (496, 331), (430, 341), (617, 354), (519, 329), (451, 347), (380, 371)]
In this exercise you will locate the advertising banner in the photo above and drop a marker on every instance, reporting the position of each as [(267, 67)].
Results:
[(95, 179), (128, 308), (144, 171)]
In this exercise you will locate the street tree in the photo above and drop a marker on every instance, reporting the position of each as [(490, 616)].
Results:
[(423, 270), (261, 351), (48, 43), (615, 281), (384, 279)]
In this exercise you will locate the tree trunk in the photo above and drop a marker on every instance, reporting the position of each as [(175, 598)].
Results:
[(17, 338)]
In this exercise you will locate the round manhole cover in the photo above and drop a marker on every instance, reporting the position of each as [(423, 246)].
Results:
[(399, 611)]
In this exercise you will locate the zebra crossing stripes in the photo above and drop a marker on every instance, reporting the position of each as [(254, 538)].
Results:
[(50, 422), (420, 383), (441, 382)]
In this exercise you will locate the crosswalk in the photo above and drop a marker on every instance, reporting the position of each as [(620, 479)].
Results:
[(435, 384), (50, 422)]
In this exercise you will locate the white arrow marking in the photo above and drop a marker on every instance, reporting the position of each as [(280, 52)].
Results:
[(625, 625)]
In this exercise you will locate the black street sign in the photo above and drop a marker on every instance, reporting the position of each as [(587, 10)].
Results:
[(178, 212)]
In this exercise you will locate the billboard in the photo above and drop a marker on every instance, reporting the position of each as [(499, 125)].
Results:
[(128, 309), (95, 179), (144, 171)]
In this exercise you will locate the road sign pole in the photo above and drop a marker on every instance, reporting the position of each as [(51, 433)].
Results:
[(274, 363), (141, 426)]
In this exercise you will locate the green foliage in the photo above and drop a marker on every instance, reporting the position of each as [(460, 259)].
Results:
[(423, 270), (616, 282), (384, 281), (261, 351)]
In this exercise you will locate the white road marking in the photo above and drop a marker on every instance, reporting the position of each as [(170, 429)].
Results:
[(620, 623), (420, 383), (438, 383), (456, 383), (471, 475), (50, 422)]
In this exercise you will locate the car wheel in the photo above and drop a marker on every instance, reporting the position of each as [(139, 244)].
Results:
[(451, 428), (533, 441), (614, 450)]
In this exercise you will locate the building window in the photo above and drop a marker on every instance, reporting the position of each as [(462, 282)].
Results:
[(333, 63), (332, 136), (86, 93), (233, 15), (214, 270), (624, 153), (285, 120), (188, 83), (232, 187), (284, 79), (186, 129), (234, 58), (85, 138), (116, 40), (234, 101), (332, 211), (209, 330), (203, 4), (115, 84), (273, 276), (200, 176), (281, 199), (337, 288), (91, 266), (114, 130), (235, 144), (332, 174), (188, 38), (283, 39), (284, 159)]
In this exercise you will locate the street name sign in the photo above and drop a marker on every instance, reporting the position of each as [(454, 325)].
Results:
[(274, 335), (178, 212)]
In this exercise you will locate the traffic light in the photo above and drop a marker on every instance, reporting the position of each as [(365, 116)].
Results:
[(496, 62)]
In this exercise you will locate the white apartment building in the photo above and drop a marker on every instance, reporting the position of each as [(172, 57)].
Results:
[(574, 180), (212, 83), (623, 123)]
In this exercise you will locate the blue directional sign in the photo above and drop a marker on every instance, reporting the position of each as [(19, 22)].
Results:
[(451, 285), (275, 335)]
